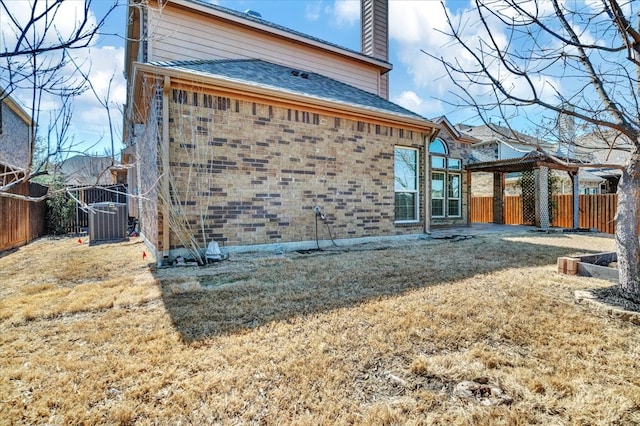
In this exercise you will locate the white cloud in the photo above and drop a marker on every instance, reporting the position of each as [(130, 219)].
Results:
[(412, 22), (313, 10), (61, 23), (422, 26), (410, 100), (89, 123), (413, 102), (346, 12)]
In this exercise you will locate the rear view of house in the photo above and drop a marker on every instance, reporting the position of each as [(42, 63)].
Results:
[(247, 133)]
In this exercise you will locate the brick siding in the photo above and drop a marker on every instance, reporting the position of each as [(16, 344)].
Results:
[(249, 173)]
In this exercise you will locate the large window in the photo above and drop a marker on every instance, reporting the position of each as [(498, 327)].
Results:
[(406, 184), (446, 182), (453, 195), (437, 194)]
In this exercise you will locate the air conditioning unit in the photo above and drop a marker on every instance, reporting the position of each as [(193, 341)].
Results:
[(107, 223)]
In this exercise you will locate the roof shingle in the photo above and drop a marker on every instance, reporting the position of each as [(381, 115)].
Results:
[(258, 73)]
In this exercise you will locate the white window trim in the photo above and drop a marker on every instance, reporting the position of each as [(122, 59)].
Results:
[(446, 171), (416, 191), (445, 188), (459, 198)]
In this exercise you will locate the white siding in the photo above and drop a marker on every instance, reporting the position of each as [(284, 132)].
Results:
[(181, 35), (508, 152)]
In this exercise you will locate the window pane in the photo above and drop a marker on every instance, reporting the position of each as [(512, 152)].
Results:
[(454, 164), (437, 207), (405, 206), (406, 167), (454, 207), (454, 186), (437, 185), (438, 147), (438, 162), (406, 184)]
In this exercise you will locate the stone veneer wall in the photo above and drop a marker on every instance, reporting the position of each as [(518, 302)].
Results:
[(247, 173), (15, 144)]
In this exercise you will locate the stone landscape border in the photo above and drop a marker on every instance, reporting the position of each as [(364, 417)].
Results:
[(588, 298), (597, 266)]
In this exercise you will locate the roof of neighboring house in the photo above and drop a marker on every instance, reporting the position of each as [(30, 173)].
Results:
[(494, 133), (262, 74), (604, 147), (455, 130), (81, 170), (588, 176)]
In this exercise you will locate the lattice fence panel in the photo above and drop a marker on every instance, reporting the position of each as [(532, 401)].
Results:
[(528, 187)]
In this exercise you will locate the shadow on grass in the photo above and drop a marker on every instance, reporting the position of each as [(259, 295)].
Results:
[(251, 291)]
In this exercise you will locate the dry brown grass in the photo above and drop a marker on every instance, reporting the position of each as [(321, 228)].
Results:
[(89, 335)]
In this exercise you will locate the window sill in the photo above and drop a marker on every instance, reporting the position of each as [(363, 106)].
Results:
[(407, 222)]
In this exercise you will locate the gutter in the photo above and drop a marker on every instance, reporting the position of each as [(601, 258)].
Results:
[(269, 95)]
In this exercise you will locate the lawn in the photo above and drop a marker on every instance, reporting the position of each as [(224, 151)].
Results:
[(376, 334)]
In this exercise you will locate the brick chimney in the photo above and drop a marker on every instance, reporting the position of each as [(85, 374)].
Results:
[(374, 21)]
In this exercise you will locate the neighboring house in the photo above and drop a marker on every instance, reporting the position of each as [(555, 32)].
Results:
[(86, 170), (16, 139), (501, 143), (244, 132), (20, 221), (604, 148)]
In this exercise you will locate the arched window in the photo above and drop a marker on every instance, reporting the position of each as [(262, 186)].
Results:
[(446, 191), (438, 147)]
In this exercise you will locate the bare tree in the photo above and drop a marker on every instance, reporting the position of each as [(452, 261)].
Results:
[(36, 56), (533, 58)]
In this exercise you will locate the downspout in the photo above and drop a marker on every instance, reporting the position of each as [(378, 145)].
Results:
[(164, 152), (427, 179), (469, 177)]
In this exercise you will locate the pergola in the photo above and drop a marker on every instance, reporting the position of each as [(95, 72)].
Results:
[(540, 163)]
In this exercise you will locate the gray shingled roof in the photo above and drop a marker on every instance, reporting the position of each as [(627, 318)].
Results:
[(255, 72), (258, 20)]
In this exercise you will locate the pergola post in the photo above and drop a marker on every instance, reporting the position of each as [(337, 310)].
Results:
[(575, 185), (498, 198), (542, 197)]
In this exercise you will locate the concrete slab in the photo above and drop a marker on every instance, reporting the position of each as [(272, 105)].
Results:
[(480, 229)]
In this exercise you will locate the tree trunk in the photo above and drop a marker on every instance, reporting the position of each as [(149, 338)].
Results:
[(627, 244)]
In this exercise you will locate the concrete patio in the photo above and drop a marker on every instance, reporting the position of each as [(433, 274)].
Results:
[(483, 228)]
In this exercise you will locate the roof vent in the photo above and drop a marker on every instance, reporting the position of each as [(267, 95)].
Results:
[(253, 13), (295, 73), (304, 75)]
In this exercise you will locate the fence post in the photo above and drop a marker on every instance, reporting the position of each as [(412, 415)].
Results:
[(498, 198), (575, 185)]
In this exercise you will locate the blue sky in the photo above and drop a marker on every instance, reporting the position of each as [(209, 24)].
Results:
[(416, 81)]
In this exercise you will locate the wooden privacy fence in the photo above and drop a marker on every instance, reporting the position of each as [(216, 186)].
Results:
[(22, 221), (596, 211)]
